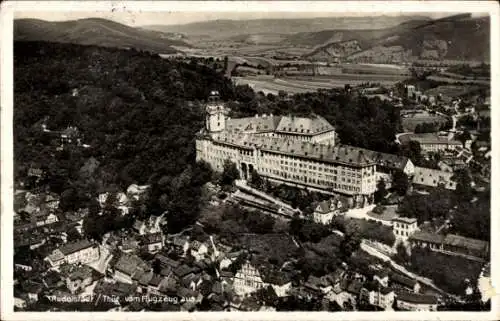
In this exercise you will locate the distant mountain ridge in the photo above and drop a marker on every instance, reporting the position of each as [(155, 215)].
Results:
[(457, 38), (95, 31), (231, 28)]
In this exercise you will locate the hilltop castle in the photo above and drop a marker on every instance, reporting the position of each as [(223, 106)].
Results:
[(290, 150)]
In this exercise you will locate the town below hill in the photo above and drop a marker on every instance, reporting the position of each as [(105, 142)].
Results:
[(111, 202)]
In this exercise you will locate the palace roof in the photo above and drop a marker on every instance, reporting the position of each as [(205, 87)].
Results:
[(344, 154), (282, 124)]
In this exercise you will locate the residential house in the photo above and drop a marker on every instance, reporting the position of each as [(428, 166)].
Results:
[(168, 285), (143, 278), (150, 226), (115, 289), (228, 259), (192, 281), (32, 290), (129, 245), (465, 155), (451, 164), (36, 171), (227, 277), (189, 295), (278, 280), (377, 295), (312, 288), (401, 282), (354, 288), (181, 244), (166, 262), (382, 277), (426, 240), (248, 279), (153, 242), (467, 246), (434, 178), (198, 250), (79, 279), (388, 164), (430, 142), (182, 270), (135, 192), (416, 302), (404, 227), (81, 251), (19, 303), (129, 266), (325, 211), (121, 199), (43, 217)]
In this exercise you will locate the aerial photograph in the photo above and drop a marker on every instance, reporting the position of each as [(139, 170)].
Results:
[(251, 161)]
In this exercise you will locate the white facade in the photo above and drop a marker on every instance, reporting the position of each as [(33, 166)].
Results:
[(413, 306), (200, 252), (83, 256), (404, 227), (282, 290), (247, 280), (379, 299)]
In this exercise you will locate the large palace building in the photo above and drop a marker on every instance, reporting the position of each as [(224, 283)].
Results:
[(292, 150)]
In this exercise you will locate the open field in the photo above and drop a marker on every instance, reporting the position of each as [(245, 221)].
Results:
[(451, 90), (300, 84), (461, 81)]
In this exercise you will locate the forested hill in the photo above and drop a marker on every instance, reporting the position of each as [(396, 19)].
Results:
[(138, 115), (137, 111), (95, 31)]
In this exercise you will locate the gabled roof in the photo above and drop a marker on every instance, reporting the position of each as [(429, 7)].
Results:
[(274, 277), (195, 245), (81, 273), (166, 261), (152, 238), (355, 286), (129, 264), (390, 161), (338, 154), (416, 298), (465, 242), (406, 220), (304, 126), (70, 248), (403, 280), (182, 270), (427, 237), (433, 177)]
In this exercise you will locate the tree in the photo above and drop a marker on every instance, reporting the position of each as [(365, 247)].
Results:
[(381, 192), (230, 173), (400, 182), (463, 191), (73, 235), (463, 137), (401, 255), (413, 151), (156, 266), (256, 180)]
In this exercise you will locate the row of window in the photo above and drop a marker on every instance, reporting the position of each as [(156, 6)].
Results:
[(401, 233), (316, 181), (401, 225)]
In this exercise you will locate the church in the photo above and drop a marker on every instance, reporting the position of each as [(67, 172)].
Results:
[(296, 151)]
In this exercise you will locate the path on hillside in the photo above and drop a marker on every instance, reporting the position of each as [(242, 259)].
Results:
[(241, 184), (401, 134), (373, 251)]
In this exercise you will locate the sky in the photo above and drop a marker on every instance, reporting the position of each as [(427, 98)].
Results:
[(186, 12), (174, 18)]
